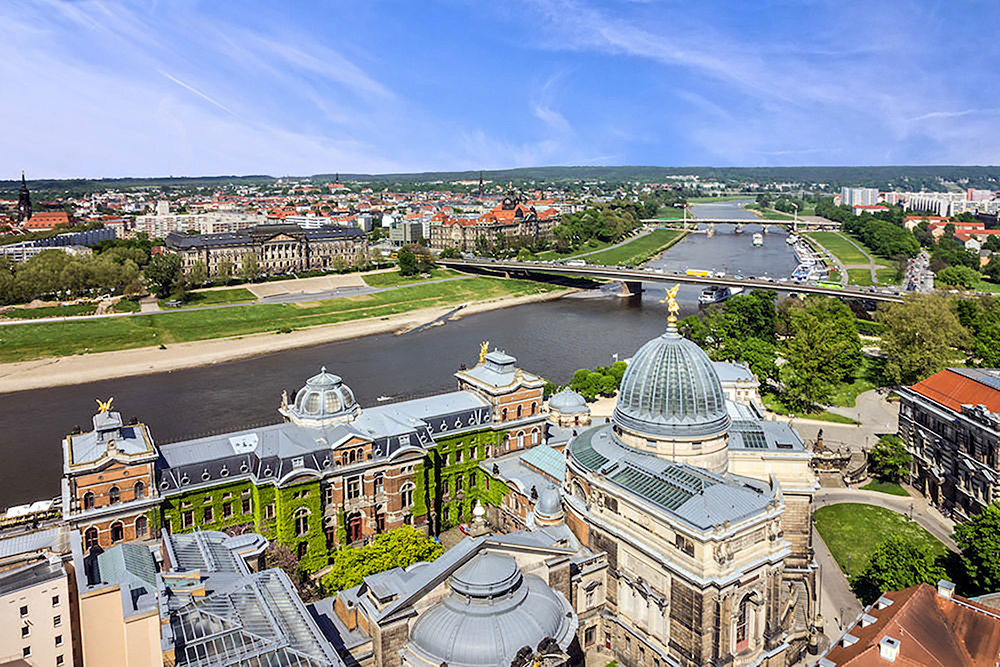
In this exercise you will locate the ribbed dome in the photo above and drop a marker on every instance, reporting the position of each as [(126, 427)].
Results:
[(323, 396), (568, 402), (549, 505), (491, 613), (670, 389)]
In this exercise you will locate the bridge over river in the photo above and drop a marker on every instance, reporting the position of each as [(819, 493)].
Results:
[(632, 279), (796, 224)]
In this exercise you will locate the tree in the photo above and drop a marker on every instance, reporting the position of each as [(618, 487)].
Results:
[(224, 269), (895, 564), (979, 542), (918, 337), (958, 276), (250, 268), (992, 269), (825, 350), (407, 263), (198, 274), (888, 460), (451, 253), (164, 274), (401, 547)]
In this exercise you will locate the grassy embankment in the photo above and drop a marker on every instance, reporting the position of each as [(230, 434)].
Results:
[(849, 253), (49, 311), (21, 342), (768, 213), (852, 531), (393, 279), (213, 298), (844, 395), (638, 250)]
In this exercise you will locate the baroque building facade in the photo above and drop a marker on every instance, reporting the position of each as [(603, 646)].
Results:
[(277, 248), (511, 218)]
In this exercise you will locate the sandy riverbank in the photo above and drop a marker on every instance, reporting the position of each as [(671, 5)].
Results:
[(78, 369)]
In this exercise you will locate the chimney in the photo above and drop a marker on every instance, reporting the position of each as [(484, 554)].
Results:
[(945, 589), (888, 648)]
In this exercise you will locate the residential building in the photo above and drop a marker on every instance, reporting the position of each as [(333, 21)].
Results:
[(511, 218), (950, 424), (36, 612), (859, 196), (213, 222), (278, 248), (919, 626)]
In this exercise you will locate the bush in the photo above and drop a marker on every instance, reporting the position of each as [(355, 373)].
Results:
[(888, 460), (401, 547), (958, 276)]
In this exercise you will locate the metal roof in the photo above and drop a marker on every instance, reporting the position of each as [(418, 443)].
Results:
[(546, 459)]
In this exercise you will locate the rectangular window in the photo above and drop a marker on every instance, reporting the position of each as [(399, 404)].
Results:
[(458, 456), (59, 659), (187, 519), (379, 483), (58, 640), (55, 600), (328, 495), (209, 515), (472, 480), (24, 611), (246, 506), (227, 495), (269, 511), (56, 621), (25, 631), (227, 510), (458, 483), (353, 488), (26, 652)]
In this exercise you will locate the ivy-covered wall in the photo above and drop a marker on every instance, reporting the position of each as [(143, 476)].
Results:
[(436, 477), (216, 499), (290, 500)]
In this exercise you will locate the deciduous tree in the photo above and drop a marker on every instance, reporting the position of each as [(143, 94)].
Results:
[(888, 459), (918, 338), (895, 564), (979, 540)]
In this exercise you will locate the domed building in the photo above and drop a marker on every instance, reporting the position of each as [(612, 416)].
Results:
[(568, 408), (324, 400), (684, 492)]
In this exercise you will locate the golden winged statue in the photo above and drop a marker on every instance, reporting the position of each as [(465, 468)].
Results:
[(672, 306), (484, 347), (104, 406)]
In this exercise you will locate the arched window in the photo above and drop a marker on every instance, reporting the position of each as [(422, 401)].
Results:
[(534, 407), (117, 531), (520, 440), (520, 411), (141, 527), (534, 436), (406, 494), (503, 415), (302, 522), (114, 495), (90, 538), (139, 491), (88, 501), (742, 624)]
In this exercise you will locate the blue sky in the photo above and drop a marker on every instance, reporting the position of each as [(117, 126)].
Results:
[(181, 87)]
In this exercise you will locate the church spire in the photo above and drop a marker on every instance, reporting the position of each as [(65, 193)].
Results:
[(23, 202)]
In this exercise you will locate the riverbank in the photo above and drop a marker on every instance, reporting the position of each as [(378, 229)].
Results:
[(78, 369)]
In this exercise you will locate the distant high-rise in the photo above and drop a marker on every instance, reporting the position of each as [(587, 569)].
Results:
[(23, 202), (859, 196)]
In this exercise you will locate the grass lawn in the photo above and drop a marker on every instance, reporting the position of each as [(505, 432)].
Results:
[(891, 488), (987, 286), (861, 277), (127, 306), (852, 531), (768, 214), (845, 251), (20, 342), (846, 394), (638, 250), (886, 275), (50, 311), (670, 212), (214, 298), (777, 405), (393, 279)]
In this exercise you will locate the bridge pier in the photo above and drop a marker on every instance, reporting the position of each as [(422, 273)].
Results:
[(630, 288)]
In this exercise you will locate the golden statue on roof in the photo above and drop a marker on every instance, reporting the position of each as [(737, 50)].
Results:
[(672, 306), (484, 347), (104, 406)]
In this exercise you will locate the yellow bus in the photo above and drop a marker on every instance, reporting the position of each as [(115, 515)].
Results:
[(701, 273)]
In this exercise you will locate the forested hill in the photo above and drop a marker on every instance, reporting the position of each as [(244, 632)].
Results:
[(898, 177)]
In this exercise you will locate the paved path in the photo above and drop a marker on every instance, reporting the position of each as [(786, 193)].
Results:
[(620, 243), (877, 416), (838, 605), (841, 269), (863, 251)]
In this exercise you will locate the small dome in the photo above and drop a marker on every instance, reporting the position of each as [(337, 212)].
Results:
[(670, 388), (568, 402), (323, 396), (491, 613), (549, 505)]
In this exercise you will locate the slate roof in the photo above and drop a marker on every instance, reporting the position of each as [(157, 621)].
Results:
[(88, 447), (694, 495), (30, 575)]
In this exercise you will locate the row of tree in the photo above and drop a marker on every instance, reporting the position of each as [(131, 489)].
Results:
[(54, 273)]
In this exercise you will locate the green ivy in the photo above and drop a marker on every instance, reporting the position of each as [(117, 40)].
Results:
[(197, 500), (290, 499)]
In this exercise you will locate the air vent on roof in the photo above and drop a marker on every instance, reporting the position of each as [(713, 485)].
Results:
[(867, 619), (888, 649), (882, 602)]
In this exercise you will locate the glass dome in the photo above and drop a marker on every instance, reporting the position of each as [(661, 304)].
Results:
[(324, 396), (671, 389)]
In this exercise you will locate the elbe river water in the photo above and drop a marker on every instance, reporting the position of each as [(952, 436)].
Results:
[(551, 338)]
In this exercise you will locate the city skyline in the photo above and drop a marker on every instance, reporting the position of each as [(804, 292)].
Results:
[(165, 89)]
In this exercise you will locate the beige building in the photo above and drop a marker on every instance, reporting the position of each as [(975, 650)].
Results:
[(36, 613)]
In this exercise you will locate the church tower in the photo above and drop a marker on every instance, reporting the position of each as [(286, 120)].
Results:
[(23, 202)]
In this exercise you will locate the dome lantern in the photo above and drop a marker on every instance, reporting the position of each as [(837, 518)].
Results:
[(323, 399)]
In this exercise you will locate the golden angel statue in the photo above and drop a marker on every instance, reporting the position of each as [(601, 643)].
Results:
[(104, 406), (484, 347), (671, 302)]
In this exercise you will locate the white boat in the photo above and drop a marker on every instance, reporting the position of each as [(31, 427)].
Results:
[(758, 239), (383, 398), (791, 239), (717, 294)]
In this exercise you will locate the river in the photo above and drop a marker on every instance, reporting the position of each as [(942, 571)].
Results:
[(551, 338)]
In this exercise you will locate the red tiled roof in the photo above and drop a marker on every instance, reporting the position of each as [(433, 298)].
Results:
[(931, 630), (47, 220), (952, 390)]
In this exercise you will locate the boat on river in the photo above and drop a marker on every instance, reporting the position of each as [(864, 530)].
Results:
[(758, 239), (717, 294)]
